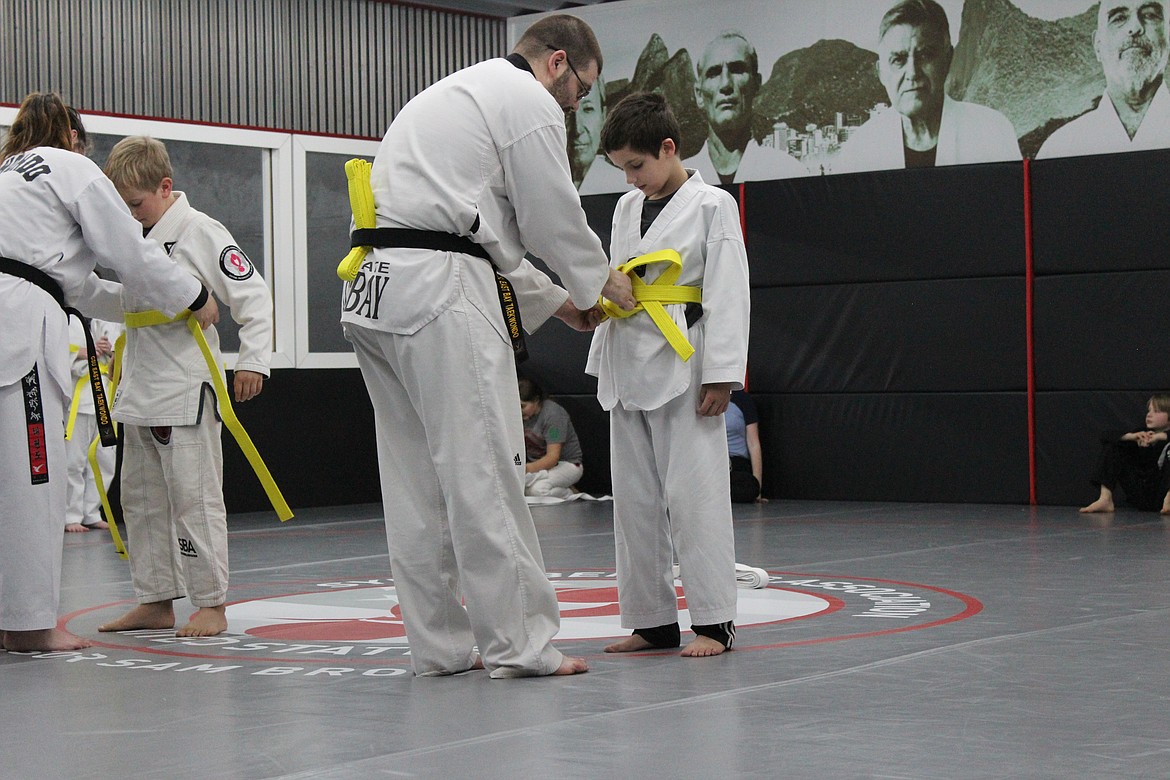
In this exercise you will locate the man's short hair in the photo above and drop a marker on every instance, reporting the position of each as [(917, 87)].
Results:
[(641, 121), (926, 14), (561, 31), (139, 162), (752, 57)]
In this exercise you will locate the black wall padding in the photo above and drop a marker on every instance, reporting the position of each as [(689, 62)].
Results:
[(315, 431), (1102, 212), (1103, 331), (1067, 426), (947, 447), (955, 335), (941, 223)]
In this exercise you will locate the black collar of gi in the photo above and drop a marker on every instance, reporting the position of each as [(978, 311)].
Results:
[(519, 61)]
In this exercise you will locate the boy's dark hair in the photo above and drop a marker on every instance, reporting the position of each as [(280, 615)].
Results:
[(641, 121), (530, 391)]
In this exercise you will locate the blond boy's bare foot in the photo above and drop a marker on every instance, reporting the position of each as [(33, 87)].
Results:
[(47, 640), (1100, 505), (572, 665), (702, 646), (207, 621), (157, 614), (631, 644), (75, 528)]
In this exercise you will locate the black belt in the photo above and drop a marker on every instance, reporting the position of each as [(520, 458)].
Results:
[(409, 238), (48, 284)]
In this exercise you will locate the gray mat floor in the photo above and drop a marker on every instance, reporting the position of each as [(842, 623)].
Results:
[(892, 641)]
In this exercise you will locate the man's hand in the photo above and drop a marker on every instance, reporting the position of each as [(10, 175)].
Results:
[(713, 399), (248, 385), (208, 314), (577, 319), (619, 290)]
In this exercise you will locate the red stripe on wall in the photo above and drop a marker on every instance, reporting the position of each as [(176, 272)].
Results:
[(1029, 278)]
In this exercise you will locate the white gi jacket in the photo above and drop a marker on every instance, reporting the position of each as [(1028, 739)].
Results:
[(59, 213), (1100, 131), (968, 133), (163, 371), (630, 357), (499, 171)]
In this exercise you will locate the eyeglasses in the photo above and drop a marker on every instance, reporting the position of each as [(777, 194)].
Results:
[(585, 90)]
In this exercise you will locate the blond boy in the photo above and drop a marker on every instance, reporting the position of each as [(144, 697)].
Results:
[(172, 471)]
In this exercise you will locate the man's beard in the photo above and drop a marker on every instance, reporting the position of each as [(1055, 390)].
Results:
[(1139, 65)]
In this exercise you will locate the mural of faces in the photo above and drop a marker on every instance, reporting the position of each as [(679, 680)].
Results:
[(1130, 43), (585, 130), (727, 85), (913, 62)]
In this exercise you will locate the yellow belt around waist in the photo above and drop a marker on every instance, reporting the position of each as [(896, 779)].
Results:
[(146, 319), (652, 297)]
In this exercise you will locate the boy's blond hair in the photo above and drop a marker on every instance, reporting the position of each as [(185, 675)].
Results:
[(1160, 402), (139, 162)]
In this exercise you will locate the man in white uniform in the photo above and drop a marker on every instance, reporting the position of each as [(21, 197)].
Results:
[(1134, 112), (726, 88), (924, 127), (473, 173), (58, 216)]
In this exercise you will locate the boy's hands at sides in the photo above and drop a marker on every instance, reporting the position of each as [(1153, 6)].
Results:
[(713, 399), (247, 385), (208, 314)]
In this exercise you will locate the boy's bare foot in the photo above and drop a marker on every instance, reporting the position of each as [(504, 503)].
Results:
[(46, 640), (157, 614), (572, 665), (1104, 505), (701, 647), (631, 644), (75, 528), (207, 621), (100, 525)]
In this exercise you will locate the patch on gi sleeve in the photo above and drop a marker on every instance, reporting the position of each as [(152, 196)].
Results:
[(235, 264)]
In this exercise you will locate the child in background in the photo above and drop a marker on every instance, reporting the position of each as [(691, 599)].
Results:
[(83, 511), (172, 466), (1136, 462), (669, 444), (551, 445)]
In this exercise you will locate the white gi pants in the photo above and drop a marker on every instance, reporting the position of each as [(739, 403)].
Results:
[(176, 521), (30, 515), (555, 481), (450, 454), (84, 504), (671, 493)]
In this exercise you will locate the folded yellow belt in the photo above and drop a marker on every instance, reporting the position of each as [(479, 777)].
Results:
[(145, 319), (361, 201), (651, 297)]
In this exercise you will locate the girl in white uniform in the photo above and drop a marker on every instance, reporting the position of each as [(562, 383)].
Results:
[(58, 216), (668, 440)]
